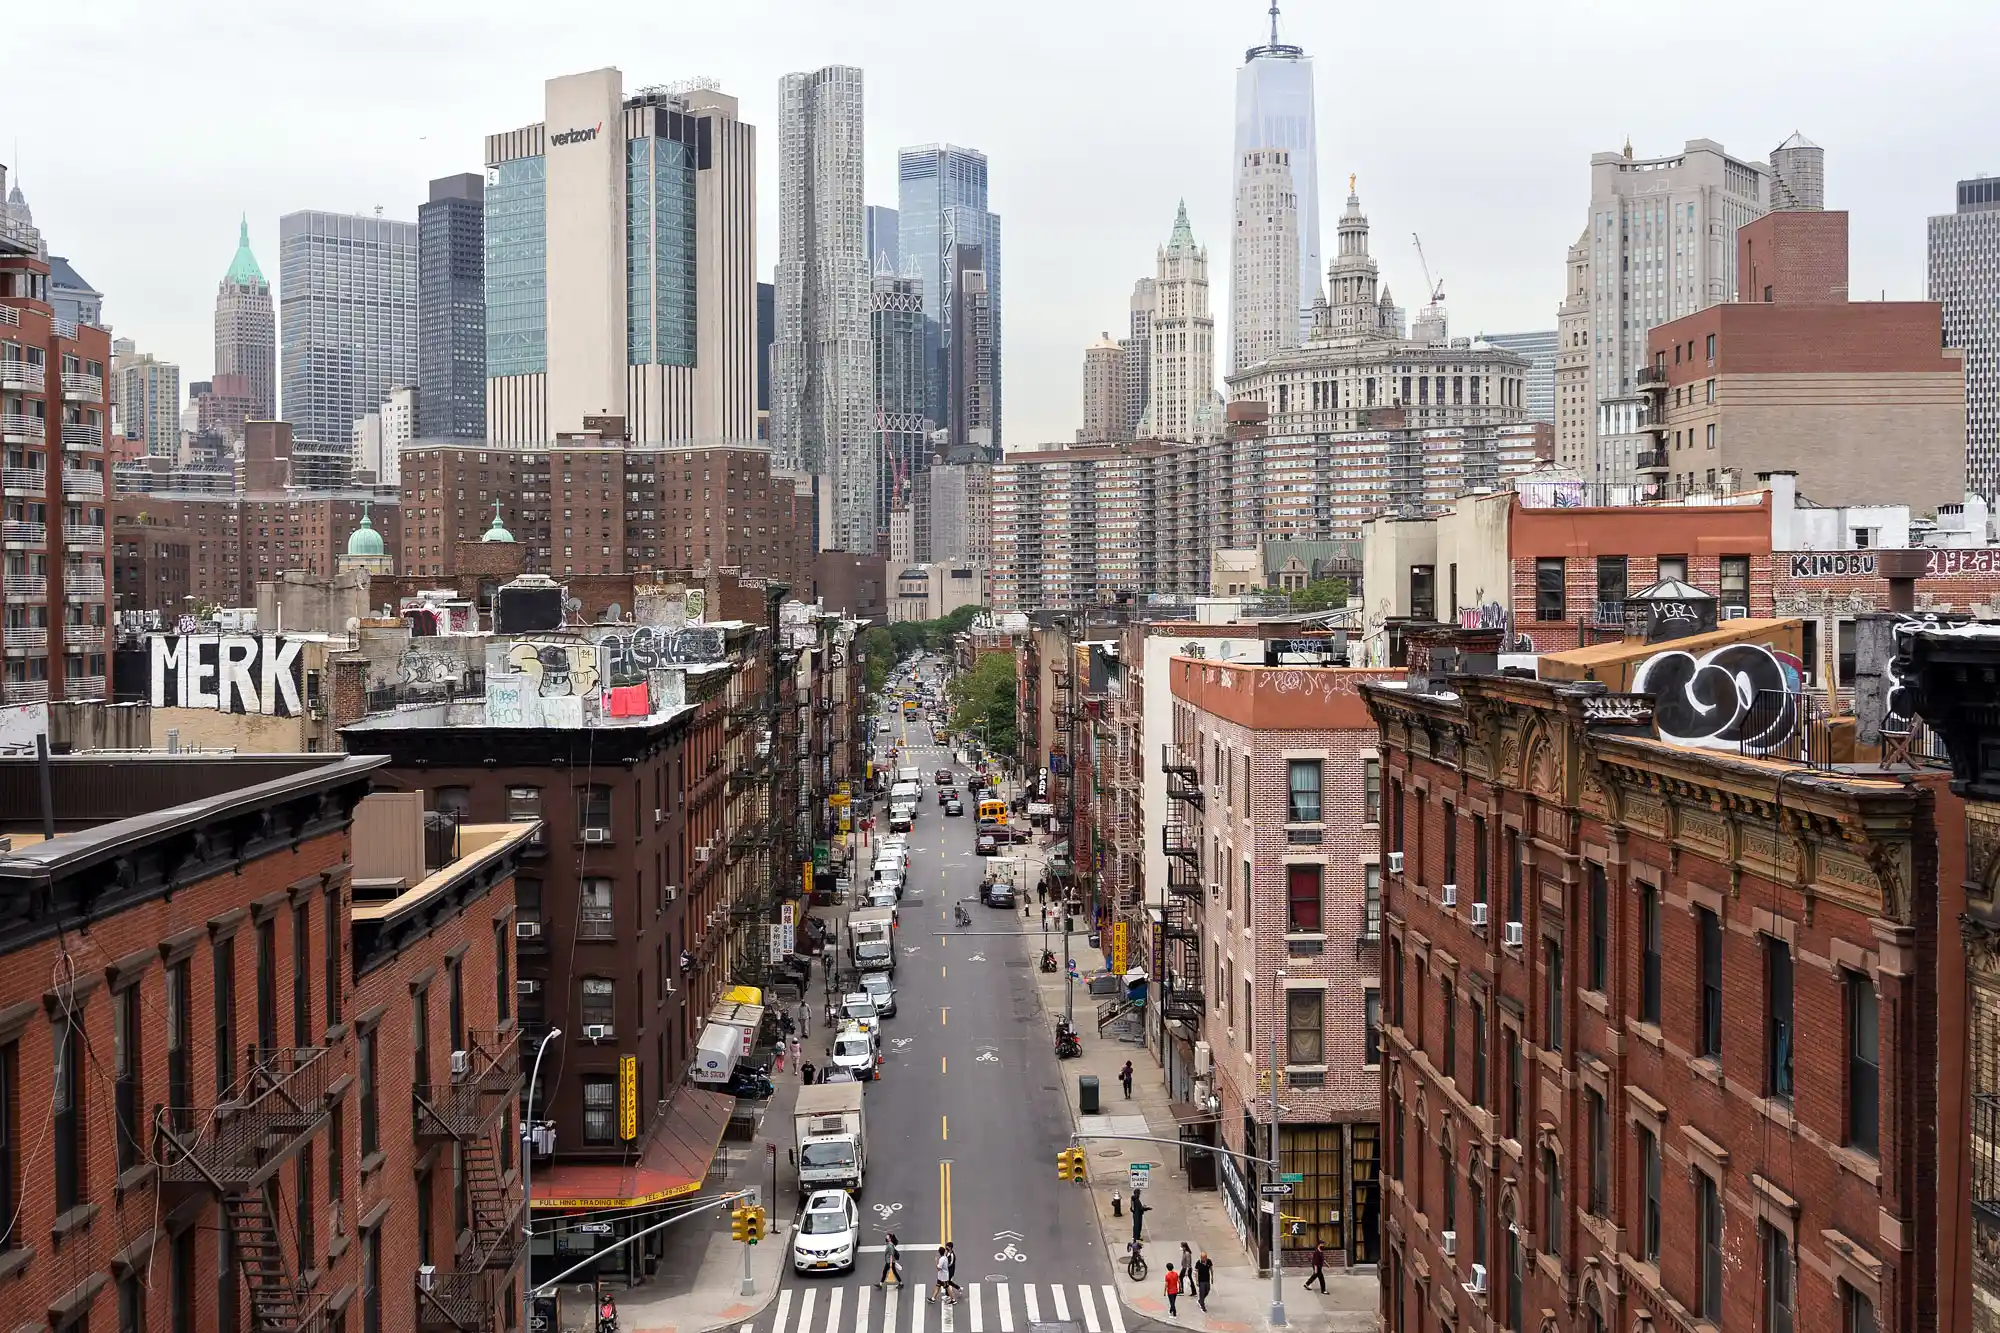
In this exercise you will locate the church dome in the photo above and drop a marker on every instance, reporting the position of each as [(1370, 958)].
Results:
[(365, 540), (497, 533)]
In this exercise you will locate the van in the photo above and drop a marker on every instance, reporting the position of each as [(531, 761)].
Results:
[(909, 775)]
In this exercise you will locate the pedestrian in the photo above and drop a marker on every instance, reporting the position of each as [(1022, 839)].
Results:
[(1139, 1211), (891, 1265), (805, 1018), (1319, 1268), (942, 1288), (1173, 1289), (792, 1045), (1187, 1260), (785, 1022), (831, 1014), (1125, 1081), (1204, 1274), (806, 1071)]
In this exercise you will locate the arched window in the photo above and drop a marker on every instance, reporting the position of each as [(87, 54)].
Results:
[(1552, 1200)]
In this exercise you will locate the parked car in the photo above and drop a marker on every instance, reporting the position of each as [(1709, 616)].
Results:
[(987, 844), (828, 1236), (878, 985), (997, 893), (953, 805)]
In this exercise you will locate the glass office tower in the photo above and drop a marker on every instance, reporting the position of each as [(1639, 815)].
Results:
[(1274, 109), (941, 205)]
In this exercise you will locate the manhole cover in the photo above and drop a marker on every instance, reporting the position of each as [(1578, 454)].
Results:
[(1110, 1152)]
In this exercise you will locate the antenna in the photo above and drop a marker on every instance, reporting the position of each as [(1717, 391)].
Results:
[(1436, 289), (1274, 22)]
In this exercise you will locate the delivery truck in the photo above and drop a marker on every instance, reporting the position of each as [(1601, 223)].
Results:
[(871, 942), (831, 1137)]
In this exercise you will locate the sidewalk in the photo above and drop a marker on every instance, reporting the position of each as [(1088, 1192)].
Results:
[(1240, 1300)]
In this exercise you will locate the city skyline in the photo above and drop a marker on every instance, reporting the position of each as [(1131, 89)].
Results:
[(1070, 267)]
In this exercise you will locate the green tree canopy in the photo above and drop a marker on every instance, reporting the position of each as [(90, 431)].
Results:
[(1321, 595)]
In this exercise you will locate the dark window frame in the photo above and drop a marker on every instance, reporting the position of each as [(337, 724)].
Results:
[(1599, 893), (1305, 898), (1650, 951), (1708, 955), (1551, 589), (1296, 811), (1780, 1030), (1864, 1070)]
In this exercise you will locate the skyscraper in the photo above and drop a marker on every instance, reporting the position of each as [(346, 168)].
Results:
[(1965, 276), (1274, 109), (1183, 399), (1661, 244), (451, 309), (1798, 175), (822, 407), (347, 311), (147, 393), (620, 264), (1103, 393), (1138, 348), (246, 328), (902, 429), (973, 372), (1540, 349), (942, 205), (882, 228), (1264, 259)]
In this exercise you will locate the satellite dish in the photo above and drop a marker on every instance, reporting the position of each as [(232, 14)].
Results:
[(353, 624), (611, 614)]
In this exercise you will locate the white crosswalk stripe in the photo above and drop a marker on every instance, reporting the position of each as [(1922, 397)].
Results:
[(816, 1306)]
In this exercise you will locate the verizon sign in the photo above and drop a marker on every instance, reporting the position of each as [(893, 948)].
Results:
[(231, 673)]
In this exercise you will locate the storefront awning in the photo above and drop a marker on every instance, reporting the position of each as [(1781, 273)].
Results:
[(673, 1162)]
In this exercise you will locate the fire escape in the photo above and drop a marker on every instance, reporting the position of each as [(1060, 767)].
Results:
[(469, 1112), (235, 1152), (1180, 838)]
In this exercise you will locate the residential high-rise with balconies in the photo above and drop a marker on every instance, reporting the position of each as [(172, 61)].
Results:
[(53, 416), (1964, 275), (451, 309), (246, 329), (347, 311), (822, 407)]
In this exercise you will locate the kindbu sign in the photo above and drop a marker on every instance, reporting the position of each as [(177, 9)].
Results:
[(231, 673)]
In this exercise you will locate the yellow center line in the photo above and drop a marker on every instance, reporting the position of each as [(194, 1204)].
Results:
[(944, 1128), (944, 1016), (944, 1199), (944, 1062)]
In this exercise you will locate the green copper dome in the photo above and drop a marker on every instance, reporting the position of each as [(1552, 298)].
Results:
[(1183, 234), (365, 540), (243, 270), (497, 533)]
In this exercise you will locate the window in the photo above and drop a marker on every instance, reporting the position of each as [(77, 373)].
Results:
[(1450, 1029), (1600, 929), (1448, 1187), (71, 1126), (1735, 581), (125, 1059), (10, 1187), (371, 1281), (1859, 1311), (1649, 955), (1514, 1085), (1396, 814), (1708, 929), (1649, 1196), (599, 1109), (455, 1000), (1450, 843), (1863, 1067), (1303, 806), (1708, 1246), (132, 1303), (180, 1047), (267, 986), (593, 807), (1843, 650), (1552, 992), (183, 1280), (1479, 1055), (1513, 875), (302, 1034), (1552, 1202), (224, 958), (336, 1148), (1305, 1030), (1371, 1008), (524, 806), (423, 1219), (1610, 585), (1302, 897), (1396, 976), (1550, 602), (1711, 347), (1780, 1277), (597, 1002), (1371, 791), (1600, 1153), (1477, 1191), (595, 920), (1517, 1277), (1479, 858), (503, 954), (306, 1206), (331, 929), (1777, 1019), (1423, 592), (1371, 902), (1673, 567), (420, 1036), (370, 1127)]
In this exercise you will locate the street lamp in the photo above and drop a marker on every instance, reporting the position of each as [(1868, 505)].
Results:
[(1277, 1207), (528, 1191)]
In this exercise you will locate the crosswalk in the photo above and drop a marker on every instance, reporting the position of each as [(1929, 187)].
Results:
[(983, 1307)]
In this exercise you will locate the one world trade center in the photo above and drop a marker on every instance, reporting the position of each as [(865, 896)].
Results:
[(1274, 109)]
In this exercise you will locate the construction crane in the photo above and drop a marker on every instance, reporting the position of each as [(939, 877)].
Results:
[(1436, 289)]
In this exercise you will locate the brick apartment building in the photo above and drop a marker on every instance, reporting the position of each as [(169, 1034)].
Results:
[(1861, 398), (1664, 1055), (1273, 920), (227, 1052), (54, 410)]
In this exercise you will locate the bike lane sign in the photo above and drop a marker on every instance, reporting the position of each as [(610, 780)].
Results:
[(1139, 1175)]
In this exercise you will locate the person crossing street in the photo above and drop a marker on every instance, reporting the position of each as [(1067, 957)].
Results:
[(891, 1262)]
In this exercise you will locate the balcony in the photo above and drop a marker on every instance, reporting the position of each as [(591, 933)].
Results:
[(21, 376), (465, 1108), (1183, 775), (81, 434), (83, 386), (80, 584), (263, 1123), (9, 315), (84, 687), (459, 1301), (1652, 376), (21, 532), (24, 691), (83, 638), (84, 536), (27, 480), (18, 428), (20, 638), (80, 483), (1651, 460), (24, 587)]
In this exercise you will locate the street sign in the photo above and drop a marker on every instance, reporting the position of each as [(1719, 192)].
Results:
[(628, 1097), (593, 1228), (1139, 1175), (1118, 948), (1275, 1191), (1293, 1178)]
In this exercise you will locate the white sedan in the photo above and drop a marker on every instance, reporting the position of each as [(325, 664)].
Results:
[(828, 1235)]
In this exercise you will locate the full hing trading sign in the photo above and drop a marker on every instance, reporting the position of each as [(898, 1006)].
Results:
[(231, 673)]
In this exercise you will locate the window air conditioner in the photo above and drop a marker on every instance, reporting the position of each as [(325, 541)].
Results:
[(1448, 895), (461, 1063), (701, 853), (669, 893), (597, 1032), (597, 835), (1479, 914), (1513, 934), (426, 1277), (1395, 863), (527, 986), (1204, 1059), (527, 930), (1478, 1284), (1450, 1241), (659, 818), (1215, 892)]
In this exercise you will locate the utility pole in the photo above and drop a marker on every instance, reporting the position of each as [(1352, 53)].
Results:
[(1277, 1236)]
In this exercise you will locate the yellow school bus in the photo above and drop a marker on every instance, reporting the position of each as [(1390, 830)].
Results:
[(909, 708), (993, 812)]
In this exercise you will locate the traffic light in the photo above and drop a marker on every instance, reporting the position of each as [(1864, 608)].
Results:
[(1062, 1165), (755, 1224), (1070, 1165), (739, 1224)]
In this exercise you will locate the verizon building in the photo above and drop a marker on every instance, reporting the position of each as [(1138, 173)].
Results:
[(620, 265)]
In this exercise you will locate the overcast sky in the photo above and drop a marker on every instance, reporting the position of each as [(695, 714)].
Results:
[(141, 130)]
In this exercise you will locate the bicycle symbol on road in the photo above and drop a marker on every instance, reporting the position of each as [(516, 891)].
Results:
[(911, 948), (988, 1056), (976, 958), (901, 1044), (1011, 1254), (885, 1211)]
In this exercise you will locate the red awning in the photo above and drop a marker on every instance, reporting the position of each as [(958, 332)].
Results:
[(672, 1163)]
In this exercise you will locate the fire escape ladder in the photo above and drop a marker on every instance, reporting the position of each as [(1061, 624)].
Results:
[(276, 1301)]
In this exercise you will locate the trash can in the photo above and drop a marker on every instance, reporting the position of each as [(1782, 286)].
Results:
[(1086, 1094)]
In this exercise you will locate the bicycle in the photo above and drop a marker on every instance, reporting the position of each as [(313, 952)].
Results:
[(1135, 1266)]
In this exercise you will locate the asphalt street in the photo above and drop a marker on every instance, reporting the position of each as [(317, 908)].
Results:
[(966, 1121)]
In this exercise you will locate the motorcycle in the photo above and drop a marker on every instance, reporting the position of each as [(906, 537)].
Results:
[(1048, 960), (1068, 1047), (607, 1316)]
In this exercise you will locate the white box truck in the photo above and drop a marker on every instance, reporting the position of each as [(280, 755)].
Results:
[(871, 940), (832, 1138), (716, 1054)]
